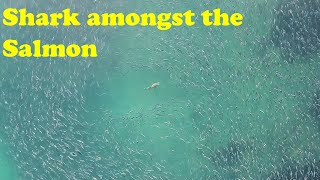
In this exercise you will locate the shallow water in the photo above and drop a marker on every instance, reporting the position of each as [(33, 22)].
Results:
[(229, 106)]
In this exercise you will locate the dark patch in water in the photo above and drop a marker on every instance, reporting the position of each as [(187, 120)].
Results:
[(296, 30), (315, 109), (229, 158), (230, 155), (309, 171), (317, 104)]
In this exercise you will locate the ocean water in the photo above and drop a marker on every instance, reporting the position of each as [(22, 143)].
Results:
[(233, 102)]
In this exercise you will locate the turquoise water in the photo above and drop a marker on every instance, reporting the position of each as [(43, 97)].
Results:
[(229, 104)]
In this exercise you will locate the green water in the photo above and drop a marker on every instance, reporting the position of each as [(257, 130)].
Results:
[(85, 119)]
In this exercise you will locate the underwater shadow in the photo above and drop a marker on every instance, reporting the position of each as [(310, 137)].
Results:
[(296, 29)]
